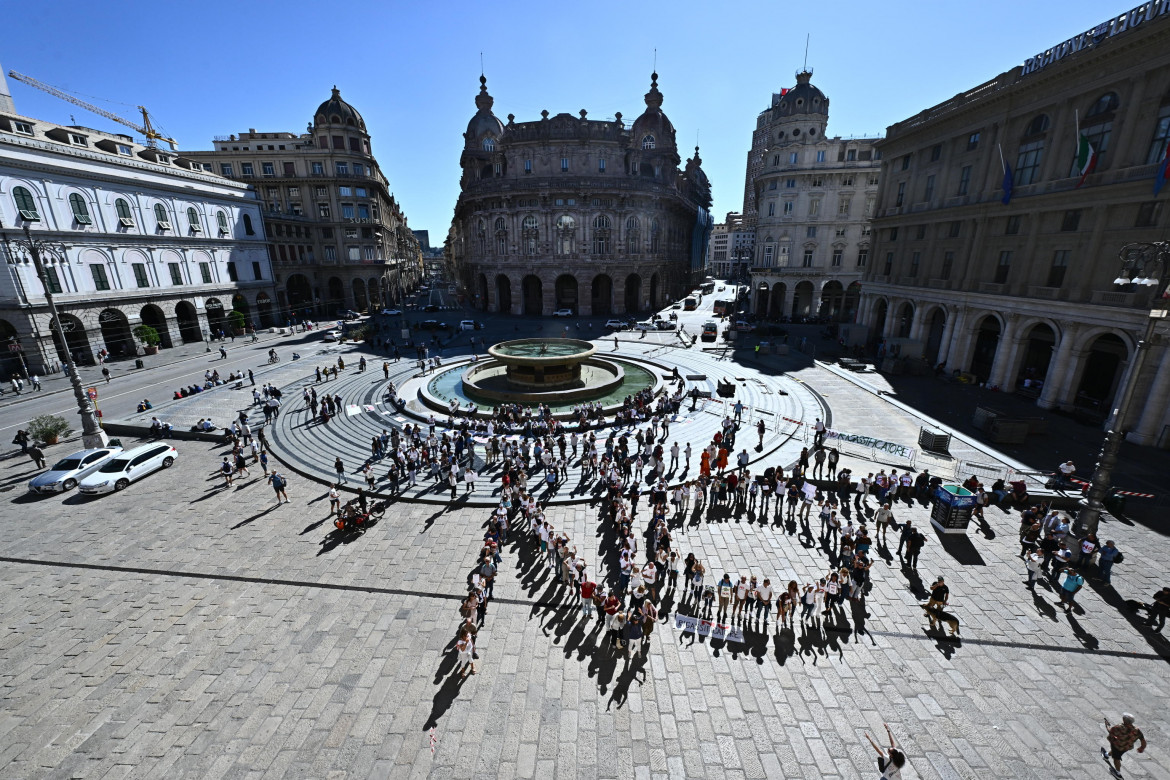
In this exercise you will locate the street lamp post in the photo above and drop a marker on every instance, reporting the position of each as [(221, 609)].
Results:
[(1145, 265), (92, 435)]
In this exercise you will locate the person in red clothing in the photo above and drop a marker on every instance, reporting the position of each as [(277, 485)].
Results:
[(587, 588), (611, 607)]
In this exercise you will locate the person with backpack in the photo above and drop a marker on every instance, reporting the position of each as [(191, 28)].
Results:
[(279, 483), (226, 470), (914, 545)]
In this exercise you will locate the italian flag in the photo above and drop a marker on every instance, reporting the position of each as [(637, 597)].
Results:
[(1086, 158)]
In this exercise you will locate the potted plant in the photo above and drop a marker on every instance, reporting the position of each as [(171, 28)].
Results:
[(236, 321), (48, 428), (149, 338)]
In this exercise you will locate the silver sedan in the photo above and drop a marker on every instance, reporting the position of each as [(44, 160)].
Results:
[(67, 472)]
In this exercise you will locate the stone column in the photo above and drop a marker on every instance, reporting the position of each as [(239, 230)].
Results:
[(944, 343), (1153, 416), (1058, 368), (1006, 352), (1066, 393), (959, 343), (891, 319)]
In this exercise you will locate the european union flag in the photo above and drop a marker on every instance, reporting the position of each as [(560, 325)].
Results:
[(1009, 184)]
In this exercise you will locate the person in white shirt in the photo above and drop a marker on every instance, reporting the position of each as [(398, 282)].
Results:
[(764, 595)]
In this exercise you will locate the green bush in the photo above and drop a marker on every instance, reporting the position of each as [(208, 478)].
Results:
[(147, 335), (236, 320), (47, 427)]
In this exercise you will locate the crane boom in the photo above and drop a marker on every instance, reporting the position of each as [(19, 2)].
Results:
[(147, 130)]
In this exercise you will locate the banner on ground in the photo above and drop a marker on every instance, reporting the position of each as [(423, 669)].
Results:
[(704, 627), (877, 445)]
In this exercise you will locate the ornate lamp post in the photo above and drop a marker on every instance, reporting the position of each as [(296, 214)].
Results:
[(1145, 265), (43, 251)]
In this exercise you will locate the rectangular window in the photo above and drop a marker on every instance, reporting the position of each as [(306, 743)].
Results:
[(787, 208), (838, 255), (1003, 267), (768, 250), (54, 282), (973, 142), (347, 210), (338, 142), (345, 192), (282, 252), (790, 183), (564, 164), (862, 257), (1158, 145), (928, 191), (771, 209), (355, 145), (1059, 266), (905, 162), (140, 277), (843, 207), (528, 166), (601, 165), (807, 260), (318, 169), (772, 184), (322, 192), (225, 169), (78, 140), (953, 231), (24, 128), (268, 169), (1013, 225), (288, 168), (363, 211), (818, 181), (915, 261), (935, 152), (256, 272), (1148, 214), (851, 155), (351, 233), (232, 273), (176, 273), (810, 231), (341, 168), (1071, 221), (889, 264), (368, 252), (272, 191), (100, 281), (920, 232), (323, 210), (792, 158), (246, 169), (497, 168), (331, 253), (814, 208), (294, 192), (821, 155), (359, 169), (1028, 162), (893, 234), (948, 261), (205, 272), (901, 198), (353, 253), (964, 179)]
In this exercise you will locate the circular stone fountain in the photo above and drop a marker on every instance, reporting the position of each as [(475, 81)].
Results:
[(557, 372)]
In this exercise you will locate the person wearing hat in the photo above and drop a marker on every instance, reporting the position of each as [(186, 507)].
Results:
[(1121, 738)]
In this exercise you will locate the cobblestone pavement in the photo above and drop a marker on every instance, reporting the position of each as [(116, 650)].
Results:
[(184, 629)]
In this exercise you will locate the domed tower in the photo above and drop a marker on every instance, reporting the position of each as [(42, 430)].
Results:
[(481, 148), (800, 114), (697, 186), (653, 151), (338, 125)]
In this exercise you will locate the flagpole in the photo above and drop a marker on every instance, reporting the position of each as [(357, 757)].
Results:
[(1002, 162)]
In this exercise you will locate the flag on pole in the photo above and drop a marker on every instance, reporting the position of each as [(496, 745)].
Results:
[(1086, 158), (1163, 171)]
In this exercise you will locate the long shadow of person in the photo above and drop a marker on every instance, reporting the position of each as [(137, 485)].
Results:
[(914, 582), (811, 641), (784, 645), (602, 665), (443, 699), (635, 667), (859, 614), (1084, 637), (1044, 607)]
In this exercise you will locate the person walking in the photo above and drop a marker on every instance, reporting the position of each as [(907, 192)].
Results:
[(1121, 739), (278, 483), (22, 438), (225, 469), (105, 373), (35, 381), (1073, 582), (940, 594), (1108, 556), (891, 759), (334, 500), (37, 455), (339, 467), (1032, 564)]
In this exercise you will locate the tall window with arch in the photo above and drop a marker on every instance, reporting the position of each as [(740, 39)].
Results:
[(633, 236), (1031, 151), (80, 210), (566, 234), (481, 237), (125, 216), (221, 221), (601, 235), (1160, 144), (531, 234), (489, 144), (648, 142), (501, 228), (160, 217), (25, 204), (1097, 127), (655, 231), (769, 253), (193, 220)]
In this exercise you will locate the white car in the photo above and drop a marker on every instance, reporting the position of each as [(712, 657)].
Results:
[(467, 325), (617, 324), (646, 325), (67, 472), (333, 335), (127, 467), (563, 313), (391, 312)]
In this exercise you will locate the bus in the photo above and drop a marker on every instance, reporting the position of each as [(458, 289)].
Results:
[(690, 304), (724, 307), (707, 288)]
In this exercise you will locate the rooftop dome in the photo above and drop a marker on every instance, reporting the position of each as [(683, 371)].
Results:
[(484, 122), (804, 98), (336, 107), (653, 121)]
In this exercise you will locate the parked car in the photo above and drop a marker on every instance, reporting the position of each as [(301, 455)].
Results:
[(470, 325), (431, 307), (392, 312), (126, 467), (664, 324), (563, 313), (744, 326), (645, 325), (333, 335), (349, 314), (617, 324), (432, 325), (67, 472)]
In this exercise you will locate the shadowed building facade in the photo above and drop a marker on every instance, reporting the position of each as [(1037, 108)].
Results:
[(567, 212)]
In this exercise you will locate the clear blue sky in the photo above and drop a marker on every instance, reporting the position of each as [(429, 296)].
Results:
[(412, 69)]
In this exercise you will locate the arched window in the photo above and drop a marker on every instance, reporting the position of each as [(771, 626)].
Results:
[(1097, 127), (1106, 104), (601, 235), (481, 236), (489, 144), (501, 228), (648, 142), (248, 225), (1031, 151), (633, 236), (193, 220), (566, 233), (769, 253), (80, 211), (1160, 145), (25, 204), (1037, 126), (125, 218), (531, 234), (221, 220), (160, 217), (654, 232)]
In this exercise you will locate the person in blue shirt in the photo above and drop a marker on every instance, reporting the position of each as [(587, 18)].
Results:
[(1072, 584), (1106, 558)]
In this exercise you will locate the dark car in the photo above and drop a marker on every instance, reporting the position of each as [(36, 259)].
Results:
[(431, 307), (432, 325)]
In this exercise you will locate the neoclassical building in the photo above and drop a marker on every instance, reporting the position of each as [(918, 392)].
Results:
[(569, 212), (810, 198), (1021, 295), (338, 238), (150, 238)]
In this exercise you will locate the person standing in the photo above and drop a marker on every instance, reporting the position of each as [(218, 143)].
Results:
[(339, 467), (225, 469), (21, 438), (940, 594), (725, 591), (882, 520), (278, 485), (914, 546), (35, 381), (464, 647), (1073, 582), (1121, 739), (1032, 564), (37, 455), (334, 500), (1108, 556)]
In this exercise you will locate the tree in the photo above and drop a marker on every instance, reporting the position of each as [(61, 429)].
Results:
[(147, 335), (236, 320)]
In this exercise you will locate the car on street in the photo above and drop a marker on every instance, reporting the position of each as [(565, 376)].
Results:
[(432, 325), (392, 312), (126, 467), (67, 472), (563, 313), (333, 335), (744, 326), (349, 314), (470, 325), (617, 324), (710, 331), (664, 324), (677, 305), (432, 307), (645, 325)]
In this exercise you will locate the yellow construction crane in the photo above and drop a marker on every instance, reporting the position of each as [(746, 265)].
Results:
[(147, 130)]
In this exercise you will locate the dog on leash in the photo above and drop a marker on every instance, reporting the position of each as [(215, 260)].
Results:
[(937, 616)]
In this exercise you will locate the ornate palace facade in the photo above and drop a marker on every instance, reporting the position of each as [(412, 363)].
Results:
[(573, 213)]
